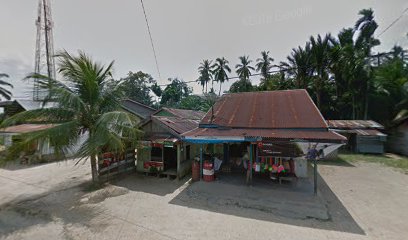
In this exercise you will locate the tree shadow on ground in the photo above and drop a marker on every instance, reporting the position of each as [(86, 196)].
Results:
[(16, 165), (282, 204), (149, 184), (57, 204)]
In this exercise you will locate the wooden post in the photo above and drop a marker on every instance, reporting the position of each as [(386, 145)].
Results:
[(201, 161), (315, 176), (179, 159), (250, 162), (225, 145)]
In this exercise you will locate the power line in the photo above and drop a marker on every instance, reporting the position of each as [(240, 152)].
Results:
[(237, 77), (394, 22), (151, 39), (281, 69)]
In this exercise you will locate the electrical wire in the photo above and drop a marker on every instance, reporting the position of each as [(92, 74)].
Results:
[(394, 22), (237, 77), (151, 39)]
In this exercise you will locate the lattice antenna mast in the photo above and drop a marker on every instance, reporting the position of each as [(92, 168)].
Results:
[(44, 52)]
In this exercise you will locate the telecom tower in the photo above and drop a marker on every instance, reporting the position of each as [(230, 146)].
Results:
[(44, 50)]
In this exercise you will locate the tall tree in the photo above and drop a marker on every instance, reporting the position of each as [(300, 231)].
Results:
[(391, 89), (137, 86), (366, 26), (3, 83), (264, 64), (206, 70), (320, 48), (346, 68), (221, 71), (299, 66), (89, 106), (175, 92), (244, 68)]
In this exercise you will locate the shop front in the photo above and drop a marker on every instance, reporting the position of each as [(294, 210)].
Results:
[(277, 159), (168, 156)]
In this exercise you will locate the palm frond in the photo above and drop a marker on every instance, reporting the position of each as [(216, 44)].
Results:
[(47, 115)]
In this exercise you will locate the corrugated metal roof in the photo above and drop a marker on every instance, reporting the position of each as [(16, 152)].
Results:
[(280, 134), (28, 104), (26, 128), (178, 125), (161, 139), (183, 113), (354, 124), (363, 132), (137, 108), (274, 109)]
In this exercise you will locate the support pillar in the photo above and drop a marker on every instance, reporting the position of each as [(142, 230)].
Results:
[(226, 153), (201, 161), (251, 156), (179, 159), (315, 176)]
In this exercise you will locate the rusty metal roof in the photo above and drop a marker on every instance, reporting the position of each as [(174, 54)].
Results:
[(354, 124), (292, 109), (176, 124), (269, 134), (183, 113), (26, 128)]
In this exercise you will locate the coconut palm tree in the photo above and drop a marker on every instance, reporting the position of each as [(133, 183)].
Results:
[(320, 48), (264, 64), (299, 66), (244, 68), (221, 71), (88, 104), (206, 73), (347, 68), (4, 92), (366, 25)]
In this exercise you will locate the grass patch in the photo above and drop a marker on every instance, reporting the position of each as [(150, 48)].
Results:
[(400, 163)]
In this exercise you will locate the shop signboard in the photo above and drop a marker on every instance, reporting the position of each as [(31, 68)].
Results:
[(168, 144), (278, 149)]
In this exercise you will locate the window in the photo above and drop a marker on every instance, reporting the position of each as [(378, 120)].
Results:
[(157, 154), (188, 157)]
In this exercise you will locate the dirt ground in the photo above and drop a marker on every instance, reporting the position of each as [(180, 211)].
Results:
[(54, 201)]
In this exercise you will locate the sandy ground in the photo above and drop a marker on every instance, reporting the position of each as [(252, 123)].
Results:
[(53, 201)]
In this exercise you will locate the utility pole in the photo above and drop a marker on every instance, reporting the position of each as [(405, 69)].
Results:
[(44, 50)]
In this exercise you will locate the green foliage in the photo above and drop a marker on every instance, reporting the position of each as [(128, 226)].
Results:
[(206, 71), (88, 104), (299, 66), (194, 102), (221, 71), (244, 68), (264, 64), (3, 91), (157, 90), (390, 93), (137, 86), (175, 92), (274, 82), (242, 85)]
